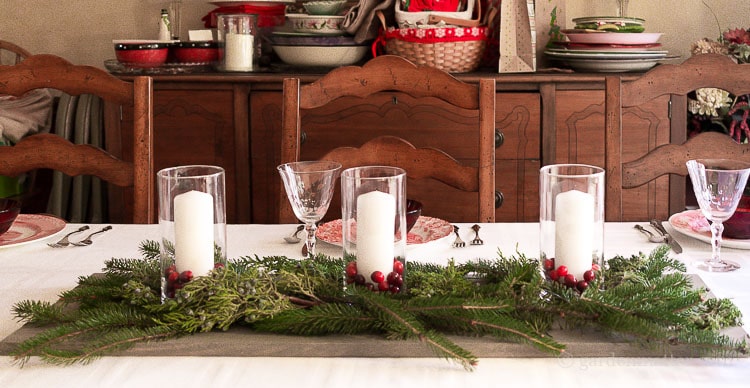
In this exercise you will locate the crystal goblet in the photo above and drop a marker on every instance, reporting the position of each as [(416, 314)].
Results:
[(309, 188), (718, 185)]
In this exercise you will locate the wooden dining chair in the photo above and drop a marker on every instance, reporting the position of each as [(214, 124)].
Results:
[(12, 53), (676, 80), (394, 75), (49, 151)]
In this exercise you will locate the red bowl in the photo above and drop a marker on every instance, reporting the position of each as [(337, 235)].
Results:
[(738, 226), (9, 209), (142, 53), (413, 211), (204, 52)]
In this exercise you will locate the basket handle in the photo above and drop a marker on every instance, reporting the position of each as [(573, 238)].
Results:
[(434, 19)]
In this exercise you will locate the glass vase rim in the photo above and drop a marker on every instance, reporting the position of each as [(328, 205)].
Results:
[(169, 172), (550, 170), (396, 172)]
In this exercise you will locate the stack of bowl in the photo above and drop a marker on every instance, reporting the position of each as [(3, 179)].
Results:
[(316, 38)]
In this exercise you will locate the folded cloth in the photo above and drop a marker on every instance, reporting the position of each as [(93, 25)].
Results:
[(25, 115), (362, 22)]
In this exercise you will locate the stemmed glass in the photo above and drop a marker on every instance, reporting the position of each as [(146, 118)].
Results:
[(718, 185), (309, 187)]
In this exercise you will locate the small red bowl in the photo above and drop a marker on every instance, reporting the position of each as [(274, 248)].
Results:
[(413, 211), (203, 52), (142, 53), (738, 226), (9, 209)]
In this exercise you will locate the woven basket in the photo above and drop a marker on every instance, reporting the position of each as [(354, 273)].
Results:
[(455, 50)]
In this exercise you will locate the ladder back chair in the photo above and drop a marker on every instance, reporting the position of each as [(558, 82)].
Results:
[(11, 53), (393, 74), (677, 80), (49, 151)]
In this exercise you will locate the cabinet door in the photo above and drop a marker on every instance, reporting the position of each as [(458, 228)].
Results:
[(424, 122), (517, 157), (580, 139), (196, 126)]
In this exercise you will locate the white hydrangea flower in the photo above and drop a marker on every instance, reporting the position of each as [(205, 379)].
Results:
[(709, 101)]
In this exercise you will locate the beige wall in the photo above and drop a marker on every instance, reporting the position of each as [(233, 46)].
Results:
[(82, 30)]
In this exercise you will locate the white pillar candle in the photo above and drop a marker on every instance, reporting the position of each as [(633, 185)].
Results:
[(376, 215), (574, 231), (238, 51), (194, 232)]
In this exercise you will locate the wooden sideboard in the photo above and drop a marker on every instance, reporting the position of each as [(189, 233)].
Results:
[(233, 120)]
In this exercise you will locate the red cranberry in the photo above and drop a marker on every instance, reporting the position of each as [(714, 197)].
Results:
[(186, 276), (351, 269), (377, 277), (562, 271), (383, 286), (552, 275), (218, 265), (588, 275), (398, 267), (359, 279), (595, 267), (549, 264), (570, 280), (170, 269), (582, 285), (172, 277), (395, 279), (394, 289)]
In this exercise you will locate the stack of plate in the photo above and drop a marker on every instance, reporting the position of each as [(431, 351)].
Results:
[(598, 44)]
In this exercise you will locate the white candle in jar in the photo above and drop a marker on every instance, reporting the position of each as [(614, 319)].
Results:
[(238, 51), (194, 232), (574, 231), (376, 215)]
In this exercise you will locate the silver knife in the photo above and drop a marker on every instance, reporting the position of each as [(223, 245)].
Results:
[(670, 240)]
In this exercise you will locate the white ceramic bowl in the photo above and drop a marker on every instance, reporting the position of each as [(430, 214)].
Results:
[(321, 56), (316, 24)]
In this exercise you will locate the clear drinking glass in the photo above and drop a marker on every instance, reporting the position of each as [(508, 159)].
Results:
[(718, 186), (309, 188)]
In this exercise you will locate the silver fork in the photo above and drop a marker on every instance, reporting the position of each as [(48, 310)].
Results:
[(476, 240), (64, 242), (87, 241), (457, 243)]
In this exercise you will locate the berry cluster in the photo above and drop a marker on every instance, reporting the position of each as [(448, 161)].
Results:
[(177, 280), (378, 281), (560, 274)]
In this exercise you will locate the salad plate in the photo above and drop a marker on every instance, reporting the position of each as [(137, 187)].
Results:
[(613, 37), (693, 224), (31, 227), (426, 229)]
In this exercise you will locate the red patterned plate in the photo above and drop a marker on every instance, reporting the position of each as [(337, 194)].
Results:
[(31, 227), (692, 223), (426, 229)]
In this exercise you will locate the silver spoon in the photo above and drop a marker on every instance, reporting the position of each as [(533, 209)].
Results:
[(293, 239), (651, 237)]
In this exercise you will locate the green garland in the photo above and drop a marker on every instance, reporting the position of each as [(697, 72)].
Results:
[(507, 298)]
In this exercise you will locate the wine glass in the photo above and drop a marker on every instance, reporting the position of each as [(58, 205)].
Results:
[(718, 185), (309, 187)]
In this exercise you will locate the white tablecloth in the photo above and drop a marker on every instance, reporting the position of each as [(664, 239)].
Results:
[(36, 271)]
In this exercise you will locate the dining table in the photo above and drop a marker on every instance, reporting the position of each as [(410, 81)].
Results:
[(35, 271)]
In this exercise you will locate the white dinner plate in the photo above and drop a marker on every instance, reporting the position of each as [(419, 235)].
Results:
[(592, 54), (425, 230), (682, 222), (31, 227), (614, 37), (609, 65)]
